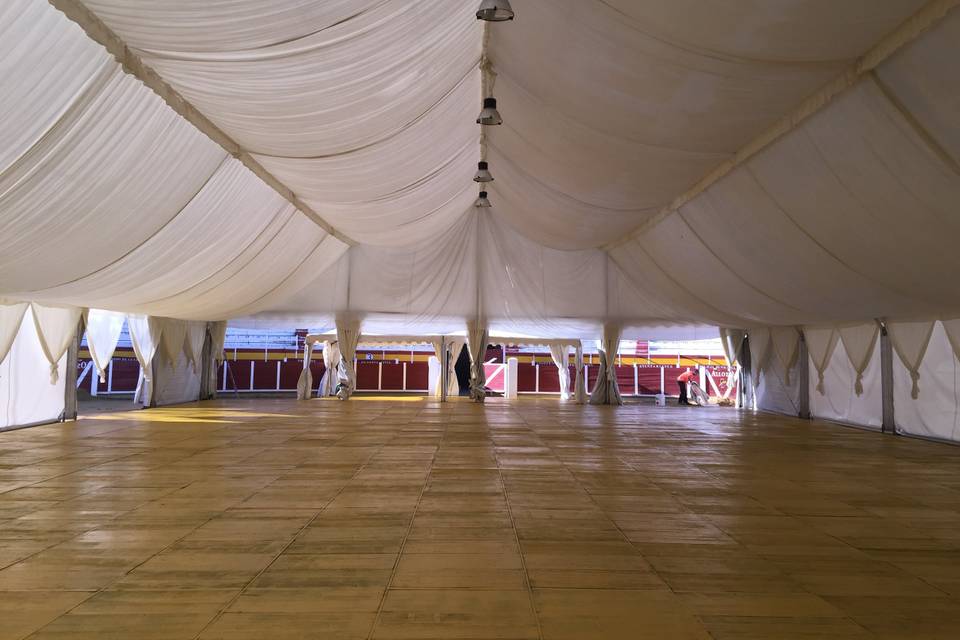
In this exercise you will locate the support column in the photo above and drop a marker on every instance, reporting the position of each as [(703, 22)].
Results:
[(444, 368), (746, 375), (70, 376), (803, 374), (886, 381)]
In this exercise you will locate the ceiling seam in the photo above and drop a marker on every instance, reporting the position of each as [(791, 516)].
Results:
[(99, 32), (908, 31)]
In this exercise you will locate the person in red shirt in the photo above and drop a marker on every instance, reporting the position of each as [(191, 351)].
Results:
[(683, 379)]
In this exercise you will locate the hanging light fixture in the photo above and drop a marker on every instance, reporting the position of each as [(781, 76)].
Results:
[(482, 201), (495, 11), (489, 115), (483, 173)]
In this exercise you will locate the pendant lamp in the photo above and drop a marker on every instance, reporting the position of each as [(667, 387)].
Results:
[(495, 11), (483, 173), (489, 115)]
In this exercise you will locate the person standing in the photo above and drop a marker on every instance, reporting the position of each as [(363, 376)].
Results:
[(683, 380)]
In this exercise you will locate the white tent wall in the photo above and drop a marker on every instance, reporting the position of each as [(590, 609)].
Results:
[(839, 402), (175, 383), (773, 393), (935, 413), (27, 395)]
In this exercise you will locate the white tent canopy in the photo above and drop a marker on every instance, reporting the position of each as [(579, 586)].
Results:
[(661, 164)]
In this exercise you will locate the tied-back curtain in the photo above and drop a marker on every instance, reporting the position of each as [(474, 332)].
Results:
[(786, 345), (580, 383), (11, 315), (477, 345), (910, 340), (759, 349), (331, 359), (348, 336), (193, 343), (145, 334), (820, 345), (607, 391), (455, 346), (56, 328), (305, 381), (858, 341), (732, 340), (103, 334), (559, 354)]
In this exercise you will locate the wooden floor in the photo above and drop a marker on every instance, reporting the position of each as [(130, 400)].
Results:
[(273, 519)]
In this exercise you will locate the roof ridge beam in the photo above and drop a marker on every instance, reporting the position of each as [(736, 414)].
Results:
[(132, 64), (908, 31)]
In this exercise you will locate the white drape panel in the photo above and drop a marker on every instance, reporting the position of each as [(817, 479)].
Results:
[(559, 354), (821, 343), (937, 413), (910, 340), (331, 361), (786, 345), (172, 336), (759, 350), (580, 383), (732, 341), (218, 335), (103, 333), (193, 343), (56, 329), (26, 393), (777, 390), (477, 347), (607, 391), (348, 335), (145, 335), (858, 341), (952, 330), (11, 315), (838, 401), (455, 345), (305, 381)]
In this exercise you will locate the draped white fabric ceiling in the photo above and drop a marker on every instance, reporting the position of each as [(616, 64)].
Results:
[(365, 109)]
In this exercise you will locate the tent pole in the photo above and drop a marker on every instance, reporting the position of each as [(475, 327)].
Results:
[(804, 380), (444, 368), (886, 382)]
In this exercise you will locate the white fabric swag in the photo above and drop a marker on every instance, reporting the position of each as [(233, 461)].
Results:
[(580, 382), (438, 345), (305, 381), (348, 335), (607, 391), (477, 346), (859, 341), (331, 361), (56, 328), (11, 315), (910, 340), (820, 345), (559, 354), (786, 346), (103, 334), (759, 349), (145, 334)]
